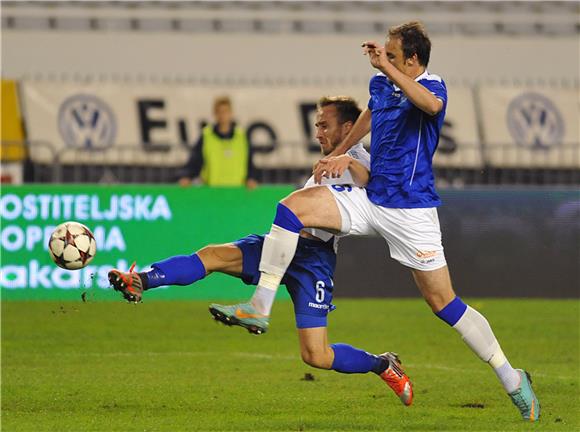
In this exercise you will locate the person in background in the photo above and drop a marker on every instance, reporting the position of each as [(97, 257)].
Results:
[(222, 155)]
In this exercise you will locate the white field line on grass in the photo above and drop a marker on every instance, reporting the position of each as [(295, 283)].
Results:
[(282, 357)]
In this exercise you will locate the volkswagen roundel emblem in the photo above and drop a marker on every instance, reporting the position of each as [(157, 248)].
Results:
[(534, 121), (85, 121)]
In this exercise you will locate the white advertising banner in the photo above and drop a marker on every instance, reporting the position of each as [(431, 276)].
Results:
[(145, 124), (459, 145), (531, 127)]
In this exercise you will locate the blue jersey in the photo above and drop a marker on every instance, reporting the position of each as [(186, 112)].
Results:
[(403, 141)]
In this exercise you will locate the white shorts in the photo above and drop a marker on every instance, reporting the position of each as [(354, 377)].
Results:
[(413, 235)]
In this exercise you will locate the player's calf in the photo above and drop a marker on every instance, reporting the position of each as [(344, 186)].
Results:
[(478, 335)]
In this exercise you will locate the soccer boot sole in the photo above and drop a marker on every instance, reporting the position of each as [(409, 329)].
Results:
[(233, 321)]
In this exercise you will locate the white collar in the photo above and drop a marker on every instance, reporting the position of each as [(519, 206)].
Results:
[(419, 78), (423, 75)]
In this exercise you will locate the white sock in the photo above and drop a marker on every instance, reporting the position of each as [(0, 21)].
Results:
[(277, 253), (509, 377), (477, 334), (263, 299)]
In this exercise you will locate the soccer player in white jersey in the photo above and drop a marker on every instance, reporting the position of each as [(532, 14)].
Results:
[(308, 278), (404, 116)]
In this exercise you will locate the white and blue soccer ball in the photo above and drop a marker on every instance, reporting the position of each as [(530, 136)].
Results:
[(72, 246)]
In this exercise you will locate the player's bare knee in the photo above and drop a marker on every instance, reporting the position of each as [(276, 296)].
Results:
[(314, 208), (207, 257), (436, 301), (311, 359), (215, 257), (316, 358), (295, 202), (432, 305)]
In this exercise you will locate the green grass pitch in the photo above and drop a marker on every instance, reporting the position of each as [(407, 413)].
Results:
[(166, 366)]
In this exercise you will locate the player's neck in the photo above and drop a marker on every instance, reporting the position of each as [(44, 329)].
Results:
[(416, 72)]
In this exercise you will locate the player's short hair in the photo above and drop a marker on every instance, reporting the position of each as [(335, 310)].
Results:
[(414, 40), (221, 100), (346, 107)]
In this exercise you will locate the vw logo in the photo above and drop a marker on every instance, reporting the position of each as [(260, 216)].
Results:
[(534, 121), (87, 122)]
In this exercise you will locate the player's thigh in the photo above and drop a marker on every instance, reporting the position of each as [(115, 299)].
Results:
[(224, 258), (311, 294), (435, 286), (315, 207), (413, 236), (355, 210)]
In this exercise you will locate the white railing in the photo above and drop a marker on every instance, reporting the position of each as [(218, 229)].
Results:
[(82, 166)]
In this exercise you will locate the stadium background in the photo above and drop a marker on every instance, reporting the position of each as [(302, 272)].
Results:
[(508, 164), (508, 169)]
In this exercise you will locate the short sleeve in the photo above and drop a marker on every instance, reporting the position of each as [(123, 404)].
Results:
[(437, 88), (361, 155)]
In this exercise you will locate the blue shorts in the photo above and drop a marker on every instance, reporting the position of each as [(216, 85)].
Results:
[(308, 278)]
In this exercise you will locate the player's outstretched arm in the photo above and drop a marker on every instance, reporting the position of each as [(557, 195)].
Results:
[(415, 92)]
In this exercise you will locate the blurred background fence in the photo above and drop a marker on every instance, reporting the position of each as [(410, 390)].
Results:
[(79, 166)]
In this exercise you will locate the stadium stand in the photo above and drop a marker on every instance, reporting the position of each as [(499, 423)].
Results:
[(163, 55)]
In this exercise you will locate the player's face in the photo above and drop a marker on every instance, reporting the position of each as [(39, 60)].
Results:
[(329, 132), (394, 51), (223, 114)]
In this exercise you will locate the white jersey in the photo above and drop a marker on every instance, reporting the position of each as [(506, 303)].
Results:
[(357, 152)]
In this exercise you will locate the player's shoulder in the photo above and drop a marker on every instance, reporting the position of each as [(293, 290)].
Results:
[(433, 77), (430, 78), (379, 78), (360, 154), (357, 151)]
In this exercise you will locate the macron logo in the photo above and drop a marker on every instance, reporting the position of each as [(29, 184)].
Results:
[(317, 306)]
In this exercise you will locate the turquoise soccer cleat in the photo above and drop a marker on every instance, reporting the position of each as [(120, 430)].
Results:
[(525, 399), (243, 315)]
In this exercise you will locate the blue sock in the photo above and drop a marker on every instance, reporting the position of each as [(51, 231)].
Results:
[(285, 218), (453, 311), (348, 359), (177, 270)]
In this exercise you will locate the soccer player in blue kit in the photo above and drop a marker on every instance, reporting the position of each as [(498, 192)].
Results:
[(308, 277), (404, 116)]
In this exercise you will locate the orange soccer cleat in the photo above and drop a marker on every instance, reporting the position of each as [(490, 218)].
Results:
[(397, 379), (128, 283)]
